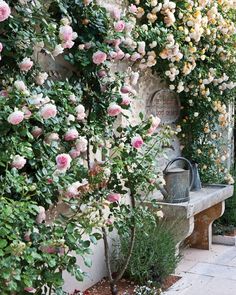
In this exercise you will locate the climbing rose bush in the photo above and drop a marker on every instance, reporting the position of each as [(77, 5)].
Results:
[(69, 153), (191, 44)]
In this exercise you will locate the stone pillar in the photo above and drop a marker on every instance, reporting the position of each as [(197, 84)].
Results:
[(201, 238)]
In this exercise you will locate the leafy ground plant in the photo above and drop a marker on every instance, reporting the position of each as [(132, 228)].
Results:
[(154, 254)]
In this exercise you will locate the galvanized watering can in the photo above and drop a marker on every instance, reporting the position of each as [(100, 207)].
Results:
[(179, 182)]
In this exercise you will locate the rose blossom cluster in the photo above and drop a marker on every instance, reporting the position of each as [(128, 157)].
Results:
[(125, 40), (67, 37)]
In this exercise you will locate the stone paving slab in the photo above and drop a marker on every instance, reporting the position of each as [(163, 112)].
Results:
[(206, 272), (215, 270), (190, 284)]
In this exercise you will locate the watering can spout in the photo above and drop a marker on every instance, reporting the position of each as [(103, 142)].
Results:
[(163, 191)]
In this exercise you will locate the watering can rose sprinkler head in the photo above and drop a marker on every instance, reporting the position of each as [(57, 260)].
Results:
[(178, 184)]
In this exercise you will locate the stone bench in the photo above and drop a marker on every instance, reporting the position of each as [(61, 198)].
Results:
[(194, 219)]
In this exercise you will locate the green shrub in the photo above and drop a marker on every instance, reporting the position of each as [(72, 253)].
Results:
[(227, 223), (154, 254)]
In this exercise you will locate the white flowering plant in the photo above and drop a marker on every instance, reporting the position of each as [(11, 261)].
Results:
[(191, 44)]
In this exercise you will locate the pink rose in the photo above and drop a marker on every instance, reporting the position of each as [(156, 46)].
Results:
[(27, 112), (66, 33), (49, 250), (80, 109), (141, 47), (113, 54), (30, 289), (48, 111), (71, 134), (134, 78), (72, 190), (1, 47), (116, 43), (20, 85), (18, 162), (63, 162), (36, 132), (81, 144), (52, 137), (26, 64), (16, 117), (137, 142), (102, 73), (119, 26), (4, 93), (126, 89), (87, 2), (133, 8), (80, 112), (114, 110), (41, 215), (120, 55), (72, 98), (113, 197), (116, 13), (125, 100), (5, 11), (110, 220), (155, 123), (88, 45), (99, 57), (68, 44), (27, 236), (74, 153), (41, 78), (81, 116), (135, 56)]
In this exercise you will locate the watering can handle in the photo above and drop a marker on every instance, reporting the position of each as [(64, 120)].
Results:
[(189, 164)]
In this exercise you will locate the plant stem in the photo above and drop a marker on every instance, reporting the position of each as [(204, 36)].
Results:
[(131, 247), (113, 281), (106, 250)]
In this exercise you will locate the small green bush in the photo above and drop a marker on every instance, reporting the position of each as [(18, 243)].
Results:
[(227, 223), (154, 254)]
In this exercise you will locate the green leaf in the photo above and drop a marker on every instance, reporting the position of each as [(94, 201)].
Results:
[(3, 243), (88, 261)]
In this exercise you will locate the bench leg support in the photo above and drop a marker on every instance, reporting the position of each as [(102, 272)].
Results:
[(201, 238)]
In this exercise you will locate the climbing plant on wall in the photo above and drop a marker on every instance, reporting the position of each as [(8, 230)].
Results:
[(68, 141), (191, 44)]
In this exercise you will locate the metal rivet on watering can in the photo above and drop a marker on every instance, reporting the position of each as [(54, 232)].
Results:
[(178, 184)]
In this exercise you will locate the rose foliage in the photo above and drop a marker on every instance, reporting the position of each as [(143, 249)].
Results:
[(70, 155)]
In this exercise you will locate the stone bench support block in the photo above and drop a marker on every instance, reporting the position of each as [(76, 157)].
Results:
[(201, 238)]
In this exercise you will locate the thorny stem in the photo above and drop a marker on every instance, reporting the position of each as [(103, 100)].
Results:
[(113, 281), (88, 139)]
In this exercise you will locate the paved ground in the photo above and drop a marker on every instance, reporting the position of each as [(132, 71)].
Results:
[(206, 272)]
